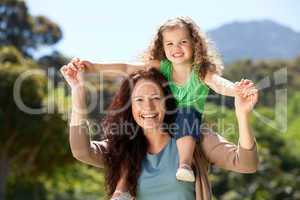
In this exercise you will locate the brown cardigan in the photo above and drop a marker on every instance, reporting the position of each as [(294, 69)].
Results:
[(212, 150)]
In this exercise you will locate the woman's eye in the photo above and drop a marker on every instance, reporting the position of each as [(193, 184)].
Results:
[(156, 98), (138, 99)]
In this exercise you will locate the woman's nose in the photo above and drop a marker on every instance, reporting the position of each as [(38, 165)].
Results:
[(148, 105)]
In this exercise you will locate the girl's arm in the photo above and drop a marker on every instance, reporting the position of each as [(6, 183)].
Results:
[(113, 69), (220, 85)]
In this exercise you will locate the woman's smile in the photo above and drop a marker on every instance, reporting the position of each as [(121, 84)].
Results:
[(148, 104)]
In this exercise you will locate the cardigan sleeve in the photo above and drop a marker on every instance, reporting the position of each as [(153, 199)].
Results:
[(83, 149), (224, 154)]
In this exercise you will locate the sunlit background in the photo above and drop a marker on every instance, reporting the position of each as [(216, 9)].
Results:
[(120, 30)]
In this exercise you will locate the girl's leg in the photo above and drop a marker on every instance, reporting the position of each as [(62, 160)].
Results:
[(121, 192), (188, 121), (186, 147)]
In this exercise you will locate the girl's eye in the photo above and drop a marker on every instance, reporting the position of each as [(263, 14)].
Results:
[(169, 44), (184, 41)]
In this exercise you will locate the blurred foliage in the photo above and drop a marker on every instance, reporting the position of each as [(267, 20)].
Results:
[(76, 182), (25, 32), (278, 176)]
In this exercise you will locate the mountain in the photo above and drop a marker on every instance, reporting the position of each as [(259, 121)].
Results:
[(263, 39)]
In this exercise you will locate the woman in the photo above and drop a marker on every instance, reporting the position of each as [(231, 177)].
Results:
[(145, 149)]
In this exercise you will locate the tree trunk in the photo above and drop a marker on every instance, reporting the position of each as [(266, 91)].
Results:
[(3, 175)]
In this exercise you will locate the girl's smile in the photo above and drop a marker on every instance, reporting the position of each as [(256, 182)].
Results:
[(178, 45)]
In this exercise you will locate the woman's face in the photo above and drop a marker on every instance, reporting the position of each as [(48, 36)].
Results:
[(148, 105)]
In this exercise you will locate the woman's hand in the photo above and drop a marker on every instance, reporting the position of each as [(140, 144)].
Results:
[(247, 96), (73, 73)]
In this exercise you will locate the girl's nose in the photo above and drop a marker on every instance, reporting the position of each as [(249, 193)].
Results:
[(177, 46)]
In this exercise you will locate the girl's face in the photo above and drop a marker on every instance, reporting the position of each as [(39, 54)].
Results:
[(148, 106), (178, 45)]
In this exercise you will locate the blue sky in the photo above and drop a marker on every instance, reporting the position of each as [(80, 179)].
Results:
[(120, 30)]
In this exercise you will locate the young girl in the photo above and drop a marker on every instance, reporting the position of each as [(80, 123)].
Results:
[(183, 55)]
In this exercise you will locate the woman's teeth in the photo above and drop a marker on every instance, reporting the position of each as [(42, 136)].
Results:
[(149, 115)]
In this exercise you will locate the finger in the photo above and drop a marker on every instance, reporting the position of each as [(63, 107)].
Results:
[(238, 90), (247, 84), (241, 82), (245, 92), (63, 68), (85, 63), (244, 83), (248, 87), (75, 62), (253, 91), (75, 59), (73, 67), (238, 83), (69, 72), (253, 99), (250, 92), (70, 66), (81, 62), (247, 81), (82, 65)]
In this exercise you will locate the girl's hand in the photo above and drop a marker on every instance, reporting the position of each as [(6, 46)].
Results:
[(247, 96), (86, 65), (73, 74), (245, 90)]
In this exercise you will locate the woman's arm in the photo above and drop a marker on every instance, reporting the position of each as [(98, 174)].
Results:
[(82, 148), (243, 157), (224, 154)]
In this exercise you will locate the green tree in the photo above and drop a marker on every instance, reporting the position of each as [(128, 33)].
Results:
[(30, 143), (23, 31), (277, 176)]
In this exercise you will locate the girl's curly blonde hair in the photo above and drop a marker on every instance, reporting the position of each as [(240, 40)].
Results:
[(205, 55)]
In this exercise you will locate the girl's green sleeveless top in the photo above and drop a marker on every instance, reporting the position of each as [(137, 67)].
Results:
[(192, 93)]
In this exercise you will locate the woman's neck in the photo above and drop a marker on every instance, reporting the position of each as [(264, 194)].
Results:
[(156, 140)]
